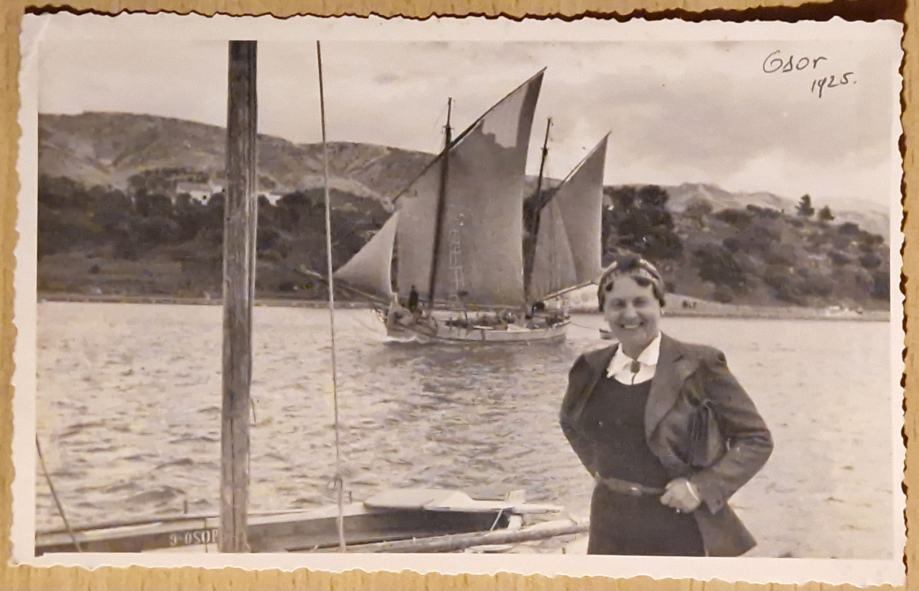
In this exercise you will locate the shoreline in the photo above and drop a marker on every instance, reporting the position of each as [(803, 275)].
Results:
[(702, 309), (189, 301)]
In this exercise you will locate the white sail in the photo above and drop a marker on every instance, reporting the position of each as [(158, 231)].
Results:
[(580, 200), (479, 257), (369, 269), (553, 262), (576, 206), (417, 207)]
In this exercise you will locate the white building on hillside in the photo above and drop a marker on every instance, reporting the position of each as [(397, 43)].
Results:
[(200, 192), (272, 198)]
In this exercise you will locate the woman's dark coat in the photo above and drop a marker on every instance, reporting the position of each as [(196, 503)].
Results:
[(666, 424)]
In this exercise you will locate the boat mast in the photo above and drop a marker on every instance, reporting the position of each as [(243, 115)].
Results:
[(531, 216), (338, 481), (441, 199), (238, 294)]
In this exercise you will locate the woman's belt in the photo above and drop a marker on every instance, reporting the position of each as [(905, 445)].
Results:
[(629, 488)]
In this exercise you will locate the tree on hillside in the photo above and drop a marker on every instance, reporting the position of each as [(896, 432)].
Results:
[(718, 266), (738, 218), (111, 209), (869, 242), (60, 192), (825, 214), (639, 222), (805, 208), (190, 215), (697, 210), (763, 212), (849, 229), (880, 288), (152, 204), (870, 261)]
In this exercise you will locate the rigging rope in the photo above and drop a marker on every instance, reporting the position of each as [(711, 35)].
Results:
[(57, 501), (338, 480), (438, 126), (586, 326)]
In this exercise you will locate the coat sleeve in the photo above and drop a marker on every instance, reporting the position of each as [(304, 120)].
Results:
[(580, 443), (749, 440)]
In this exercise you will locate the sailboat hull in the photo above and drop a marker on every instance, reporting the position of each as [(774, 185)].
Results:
[(440, 332)]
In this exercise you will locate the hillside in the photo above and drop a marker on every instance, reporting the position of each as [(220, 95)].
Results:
[(867, 214), (111, 220), (743, 255), (110, 148)]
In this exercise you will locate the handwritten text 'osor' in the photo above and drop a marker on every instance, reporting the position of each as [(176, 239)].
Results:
[(777, 63)]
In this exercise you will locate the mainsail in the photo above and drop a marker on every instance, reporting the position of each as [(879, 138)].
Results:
[(479, 255), (369, 269), (568, 243)]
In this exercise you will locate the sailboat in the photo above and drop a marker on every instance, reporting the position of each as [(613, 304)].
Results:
[(456, 238)]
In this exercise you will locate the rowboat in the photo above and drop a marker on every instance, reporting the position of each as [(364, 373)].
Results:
[(399, 520)]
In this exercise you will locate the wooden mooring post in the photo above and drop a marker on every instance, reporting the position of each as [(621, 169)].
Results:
[(240, 222)]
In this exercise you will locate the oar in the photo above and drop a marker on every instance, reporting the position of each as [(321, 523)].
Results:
[(455, 542)]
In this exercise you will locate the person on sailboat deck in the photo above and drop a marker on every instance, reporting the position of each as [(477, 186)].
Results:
[(664, 428), (413, 300)]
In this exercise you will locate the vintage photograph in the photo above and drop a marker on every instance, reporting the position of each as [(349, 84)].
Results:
[(610, 290)]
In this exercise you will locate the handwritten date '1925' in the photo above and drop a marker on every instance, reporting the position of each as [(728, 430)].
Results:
[(777, 63), (818, 85)]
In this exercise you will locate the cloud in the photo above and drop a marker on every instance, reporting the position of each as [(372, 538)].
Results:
[(677, 111)]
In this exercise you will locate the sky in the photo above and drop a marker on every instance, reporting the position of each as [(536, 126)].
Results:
[(676, 111)]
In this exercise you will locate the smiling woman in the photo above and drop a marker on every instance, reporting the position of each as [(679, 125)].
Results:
[(664, 428)]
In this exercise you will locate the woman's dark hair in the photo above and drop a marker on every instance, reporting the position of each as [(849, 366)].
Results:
[(641, 271)]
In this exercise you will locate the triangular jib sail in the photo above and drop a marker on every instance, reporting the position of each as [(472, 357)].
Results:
[(568, 243), (369, 269), (479, 255), (553, 262)]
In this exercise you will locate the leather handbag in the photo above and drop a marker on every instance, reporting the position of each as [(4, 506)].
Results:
[(705, 444)]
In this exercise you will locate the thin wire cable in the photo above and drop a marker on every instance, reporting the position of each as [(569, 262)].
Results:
[(57, 501), (339, 481), (598, 327)]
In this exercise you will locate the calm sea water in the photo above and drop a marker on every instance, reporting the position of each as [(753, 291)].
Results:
[(129, 416)]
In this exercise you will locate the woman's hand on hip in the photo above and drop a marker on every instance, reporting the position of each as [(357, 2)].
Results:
[(681, 495)]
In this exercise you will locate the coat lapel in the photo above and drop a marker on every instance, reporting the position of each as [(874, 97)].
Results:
[(672, 370)]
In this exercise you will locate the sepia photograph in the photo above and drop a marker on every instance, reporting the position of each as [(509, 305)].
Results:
[(457, 293)]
